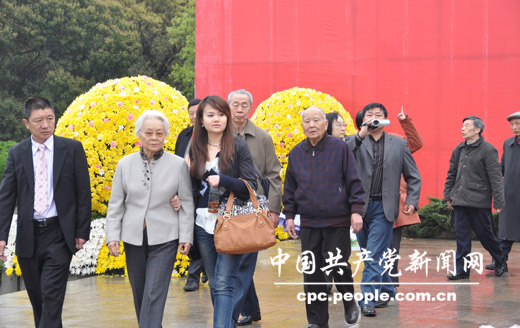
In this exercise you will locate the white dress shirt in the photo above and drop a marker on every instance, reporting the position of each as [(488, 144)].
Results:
[(49, 158)]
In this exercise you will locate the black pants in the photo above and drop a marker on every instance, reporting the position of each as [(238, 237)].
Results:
[(478, 219), (318, 241), (506, 246), (396, 244), (45, 275), (195, 269)]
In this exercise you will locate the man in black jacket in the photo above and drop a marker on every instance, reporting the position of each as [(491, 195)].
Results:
[(474, 177), (323, 185), (182, 149), (47, 177)]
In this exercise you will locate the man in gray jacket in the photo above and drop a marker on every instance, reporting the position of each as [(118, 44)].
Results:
[(474, 177), (264, 156), (381, 159)]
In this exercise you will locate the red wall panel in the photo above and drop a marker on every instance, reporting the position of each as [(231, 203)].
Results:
[(441, 60)]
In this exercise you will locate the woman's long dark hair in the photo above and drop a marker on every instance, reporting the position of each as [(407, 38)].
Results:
[(199, 143), (331, 117)]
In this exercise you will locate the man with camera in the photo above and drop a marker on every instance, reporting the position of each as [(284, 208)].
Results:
[(375, 149)]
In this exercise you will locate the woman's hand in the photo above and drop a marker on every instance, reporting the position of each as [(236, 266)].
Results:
[(184, 248), (213, 180), (175, 202), (113, 247)]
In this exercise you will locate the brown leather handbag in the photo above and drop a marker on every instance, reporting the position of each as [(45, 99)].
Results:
[(248, 232)]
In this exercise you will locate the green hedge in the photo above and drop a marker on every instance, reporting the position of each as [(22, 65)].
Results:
[(436, 221), (4, 148)]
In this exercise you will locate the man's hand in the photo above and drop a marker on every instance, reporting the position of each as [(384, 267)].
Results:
[(408, 209), (2, 247), (79, 243), (276, 219), (499, 210), (213, 180), (356, 222), (401, 116), (364, 132), (175, 202), (184, 248), (449, 204), (113, 248), (291, 230)]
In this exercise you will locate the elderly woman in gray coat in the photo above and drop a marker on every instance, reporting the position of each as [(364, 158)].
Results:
[(139, 214)]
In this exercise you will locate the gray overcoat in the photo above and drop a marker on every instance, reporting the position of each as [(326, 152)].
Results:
[(509, 219)]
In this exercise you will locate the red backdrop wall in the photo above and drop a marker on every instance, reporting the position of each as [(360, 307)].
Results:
[(441, 60)]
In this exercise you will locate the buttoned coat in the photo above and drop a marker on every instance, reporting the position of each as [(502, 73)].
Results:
[(397, 160), (135, 199), (71, 193), (474, 176), (509, 218)]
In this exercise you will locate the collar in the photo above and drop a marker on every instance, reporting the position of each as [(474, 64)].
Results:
[(49, 144), (380, 139), (320, 145), (474, 144), (517, 140), (156, 156), (249, 128)]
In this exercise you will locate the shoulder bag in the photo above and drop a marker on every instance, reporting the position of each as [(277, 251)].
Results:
[(244, 227)]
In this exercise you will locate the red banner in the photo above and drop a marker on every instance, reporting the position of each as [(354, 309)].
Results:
[(441, 60)]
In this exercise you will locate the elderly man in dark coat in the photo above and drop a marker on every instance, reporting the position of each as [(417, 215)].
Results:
[(509, 220)]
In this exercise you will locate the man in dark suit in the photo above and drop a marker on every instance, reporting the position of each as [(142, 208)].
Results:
[(182, 149), (47, 177), (381, 159)]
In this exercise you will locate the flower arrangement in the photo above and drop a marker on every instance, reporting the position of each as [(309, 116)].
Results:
[(105, 262), (103, 120), (181, 265), (279, 115), (11, 263), (281, 234)]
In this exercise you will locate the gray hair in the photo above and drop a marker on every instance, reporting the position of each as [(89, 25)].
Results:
[(477, 123), (315, 107), (240, 92), (152, 113)]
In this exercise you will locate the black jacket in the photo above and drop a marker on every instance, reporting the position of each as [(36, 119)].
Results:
[(241, 167), (474, 176), (183, 140), (71, 193)]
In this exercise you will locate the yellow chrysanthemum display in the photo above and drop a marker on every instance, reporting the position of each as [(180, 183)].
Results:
[(103, 120), (106, 262), (280, 115)]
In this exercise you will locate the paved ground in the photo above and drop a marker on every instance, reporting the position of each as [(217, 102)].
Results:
[(107, 301)]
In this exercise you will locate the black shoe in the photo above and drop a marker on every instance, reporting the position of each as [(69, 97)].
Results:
[(501, 270), (191, 286), (382, 304), (248, 319), (490, 266), (352, 315), (457, 276), (315, 325), (204, 277), (368, 310)]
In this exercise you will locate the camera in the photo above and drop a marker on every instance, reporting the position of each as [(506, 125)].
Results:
[(376, 123)]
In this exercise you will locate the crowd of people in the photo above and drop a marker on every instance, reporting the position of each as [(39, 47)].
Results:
[(160, 204)]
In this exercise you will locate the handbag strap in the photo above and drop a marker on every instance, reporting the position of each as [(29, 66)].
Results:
[(252, 196)]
